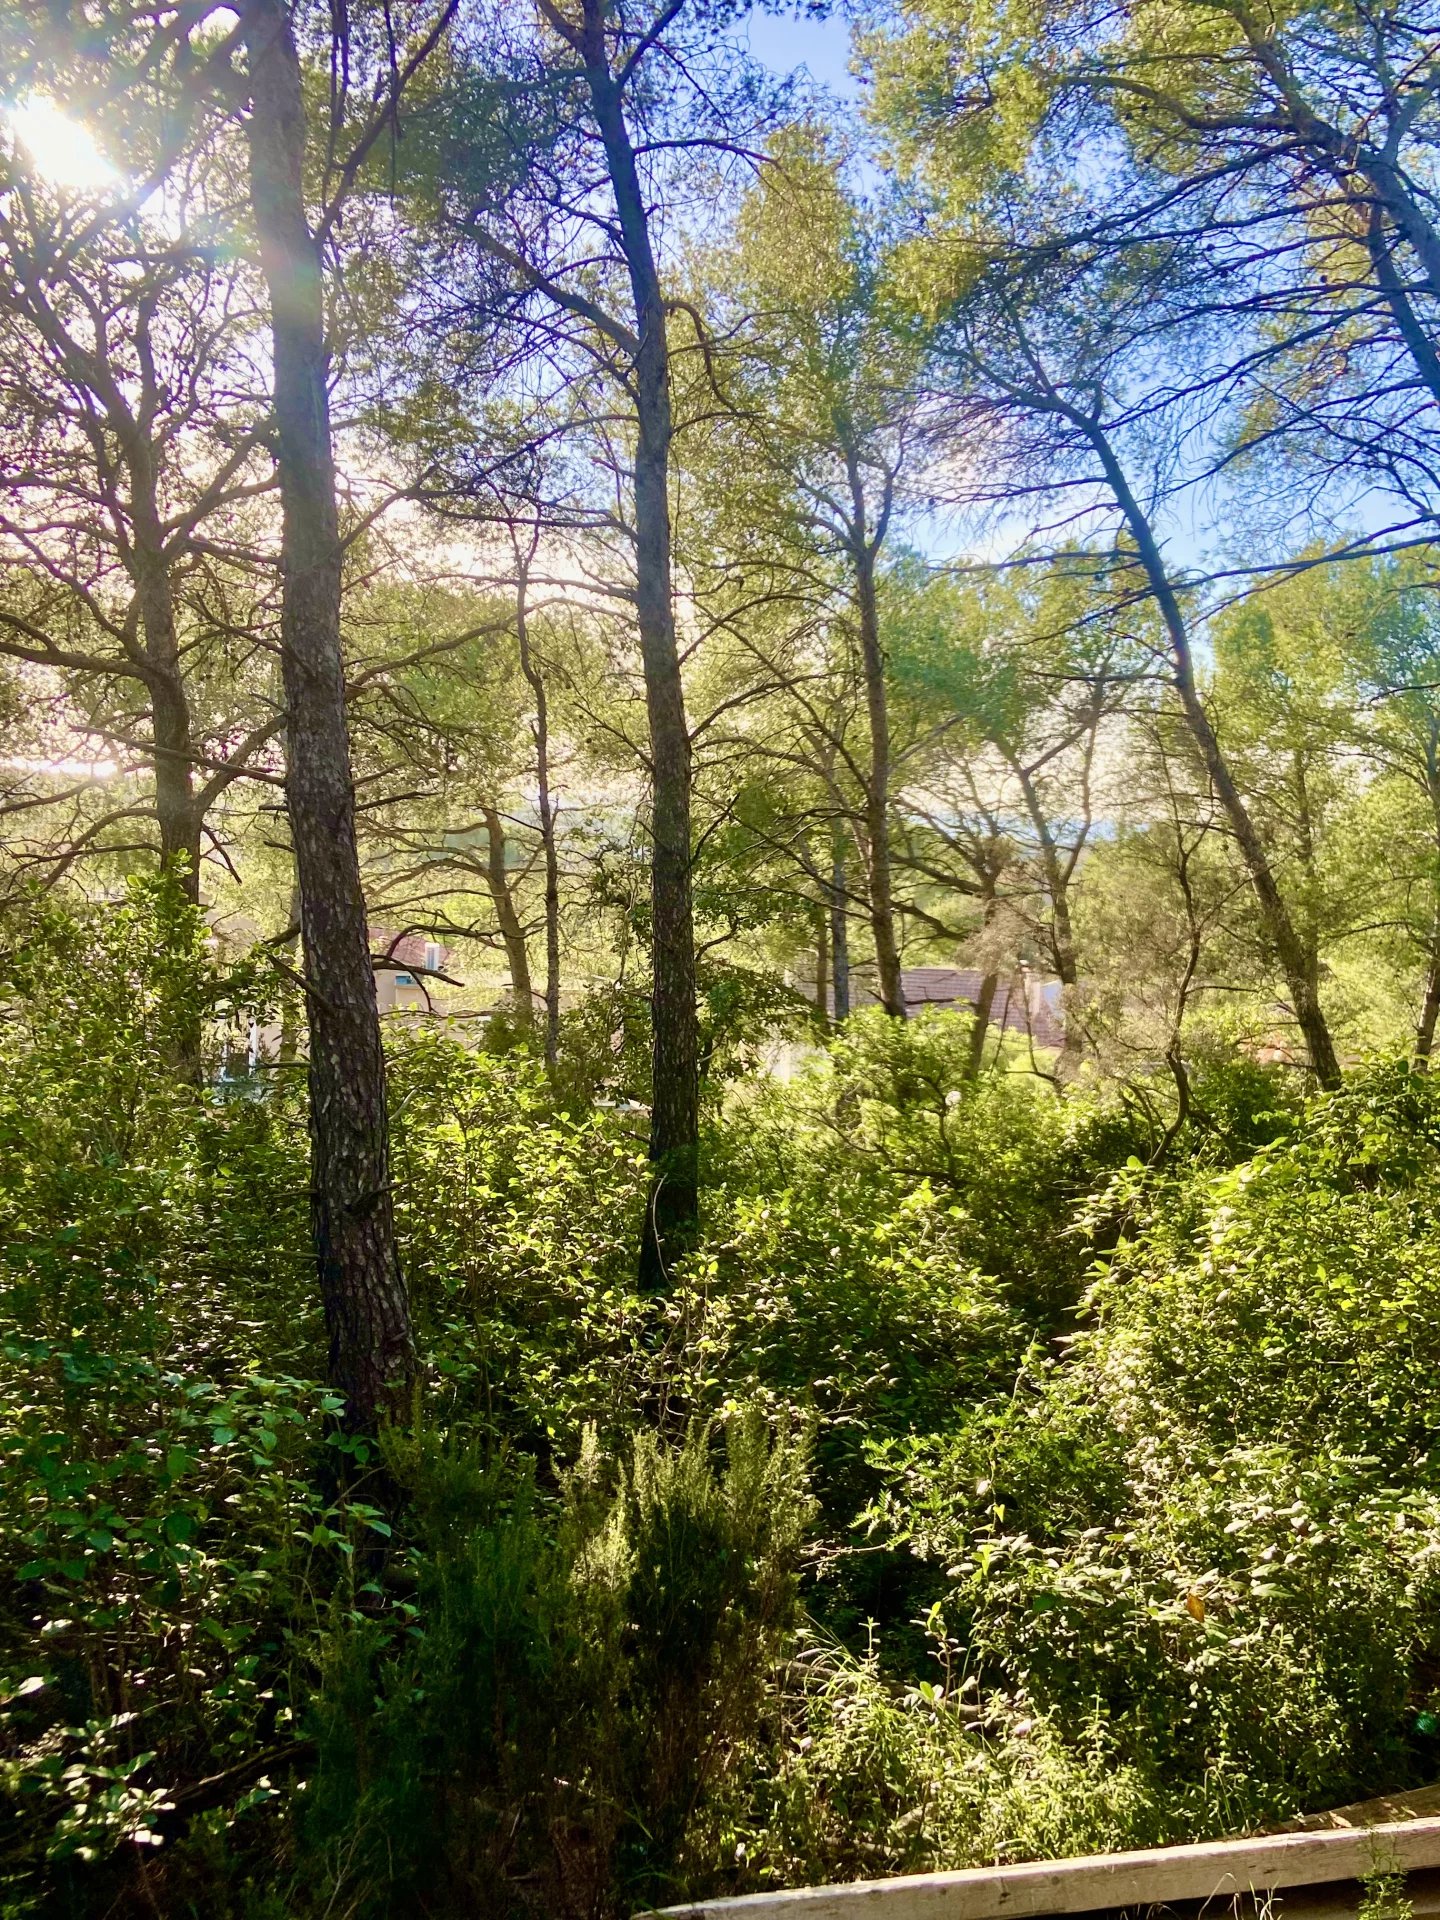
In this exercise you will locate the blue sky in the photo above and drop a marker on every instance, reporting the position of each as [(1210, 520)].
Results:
[(784, 43)]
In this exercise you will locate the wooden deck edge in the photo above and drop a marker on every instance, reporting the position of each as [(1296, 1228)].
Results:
[(1415, 1803), (1093, 1883)]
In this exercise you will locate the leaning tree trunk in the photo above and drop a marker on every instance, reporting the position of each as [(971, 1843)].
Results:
[(980, 1025), (512, 932), (672, 1212), (366, 1308), (1275, 915)]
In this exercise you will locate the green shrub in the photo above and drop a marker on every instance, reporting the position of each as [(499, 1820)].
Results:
[(1125, 1474), (518, 1228), (877, 1778), (1216, 1519), (577, 1686), (154, 1213), (887, 1111)]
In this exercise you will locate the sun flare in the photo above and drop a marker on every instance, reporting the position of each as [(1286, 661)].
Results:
[(60, 149)]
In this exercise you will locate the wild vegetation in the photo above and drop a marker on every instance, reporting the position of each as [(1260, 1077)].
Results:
[(719, 943)]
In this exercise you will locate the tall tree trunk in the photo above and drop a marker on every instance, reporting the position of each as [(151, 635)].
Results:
[(1307, 919), (177, 812), (512, 933), (367, 1310), (673, 1208), (989, 987), (1062, 929), (839, 924), (822, 964), (172, 752), (820, 922), (545, 800), (877, 786), (980, 1026), (1274, 914), (1430, 1005)]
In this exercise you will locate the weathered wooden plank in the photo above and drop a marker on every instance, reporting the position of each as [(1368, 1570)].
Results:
[(1096, 1882), (1416, 1803)]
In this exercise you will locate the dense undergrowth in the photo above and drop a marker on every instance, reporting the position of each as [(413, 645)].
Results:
[(987, 1485)]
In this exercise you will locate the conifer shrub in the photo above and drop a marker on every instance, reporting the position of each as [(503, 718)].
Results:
[(581, 1679)]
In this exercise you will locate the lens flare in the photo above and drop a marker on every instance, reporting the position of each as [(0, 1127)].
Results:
[(60, 149)]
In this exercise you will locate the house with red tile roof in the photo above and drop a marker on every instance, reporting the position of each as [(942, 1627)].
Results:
[(404, 964)]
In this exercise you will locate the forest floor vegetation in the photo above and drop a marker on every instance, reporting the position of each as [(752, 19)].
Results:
[(987, 1485)]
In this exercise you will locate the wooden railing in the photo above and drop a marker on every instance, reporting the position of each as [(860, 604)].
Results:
[(1222, 1870)]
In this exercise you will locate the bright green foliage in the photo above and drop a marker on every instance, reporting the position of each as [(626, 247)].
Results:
[(519, 1228), (1216, 1520), (159, 1548), (130, 1199), (1115, 1516), (886, 1120), (880, 1779)]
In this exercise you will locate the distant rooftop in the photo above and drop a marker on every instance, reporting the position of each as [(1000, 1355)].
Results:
[(1024, 1004)]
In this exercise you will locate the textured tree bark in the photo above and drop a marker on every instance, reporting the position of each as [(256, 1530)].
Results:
[(545, 800), (177, 812), (1430, 1005), (673, 1207), (172, 753), (366, 1308), (1062, 928), (512, 934), (877, 787), (173, 746), (1274, 914), (839, 925)]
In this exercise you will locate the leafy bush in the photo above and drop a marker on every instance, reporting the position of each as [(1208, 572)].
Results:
[(165, 1545), (519, 1225), (138, 1206), (1217, 1519), (1121, 1520), (877, 1778), (888, 1111)]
